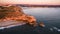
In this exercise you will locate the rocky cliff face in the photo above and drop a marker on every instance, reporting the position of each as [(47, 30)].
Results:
[(15, 13)]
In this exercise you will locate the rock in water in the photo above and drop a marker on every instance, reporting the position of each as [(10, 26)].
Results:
[(42, 24), (15, 13)]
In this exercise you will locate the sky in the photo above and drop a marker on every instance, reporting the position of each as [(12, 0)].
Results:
[(39, 2)]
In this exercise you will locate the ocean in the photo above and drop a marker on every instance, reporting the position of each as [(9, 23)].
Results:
[(50, 16)]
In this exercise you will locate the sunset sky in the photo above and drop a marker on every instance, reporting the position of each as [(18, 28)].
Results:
[(39, 2)]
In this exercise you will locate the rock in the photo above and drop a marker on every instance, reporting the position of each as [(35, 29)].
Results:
[(42, 24), (15, 13)]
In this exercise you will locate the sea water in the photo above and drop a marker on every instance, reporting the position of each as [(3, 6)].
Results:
[(50, 16)]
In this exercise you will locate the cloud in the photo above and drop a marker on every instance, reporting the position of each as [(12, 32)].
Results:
[(30, 1)]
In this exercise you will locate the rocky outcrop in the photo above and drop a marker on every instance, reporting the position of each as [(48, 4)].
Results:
[(41, 24), (15, 13)]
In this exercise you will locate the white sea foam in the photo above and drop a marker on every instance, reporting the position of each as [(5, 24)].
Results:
[(51, 29), (55, 28), (2, 28), (59, 30)]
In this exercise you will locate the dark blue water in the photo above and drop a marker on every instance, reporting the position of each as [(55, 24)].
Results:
[(50, 16)]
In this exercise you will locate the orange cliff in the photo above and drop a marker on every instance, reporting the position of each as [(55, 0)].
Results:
[(15, 13)]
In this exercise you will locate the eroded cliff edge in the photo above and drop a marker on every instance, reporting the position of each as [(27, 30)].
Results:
[(15, 13)]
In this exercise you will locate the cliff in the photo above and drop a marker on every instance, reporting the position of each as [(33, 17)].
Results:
[(15, 13)]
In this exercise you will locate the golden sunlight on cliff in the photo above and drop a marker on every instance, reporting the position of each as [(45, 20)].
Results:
[(15, 13)]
